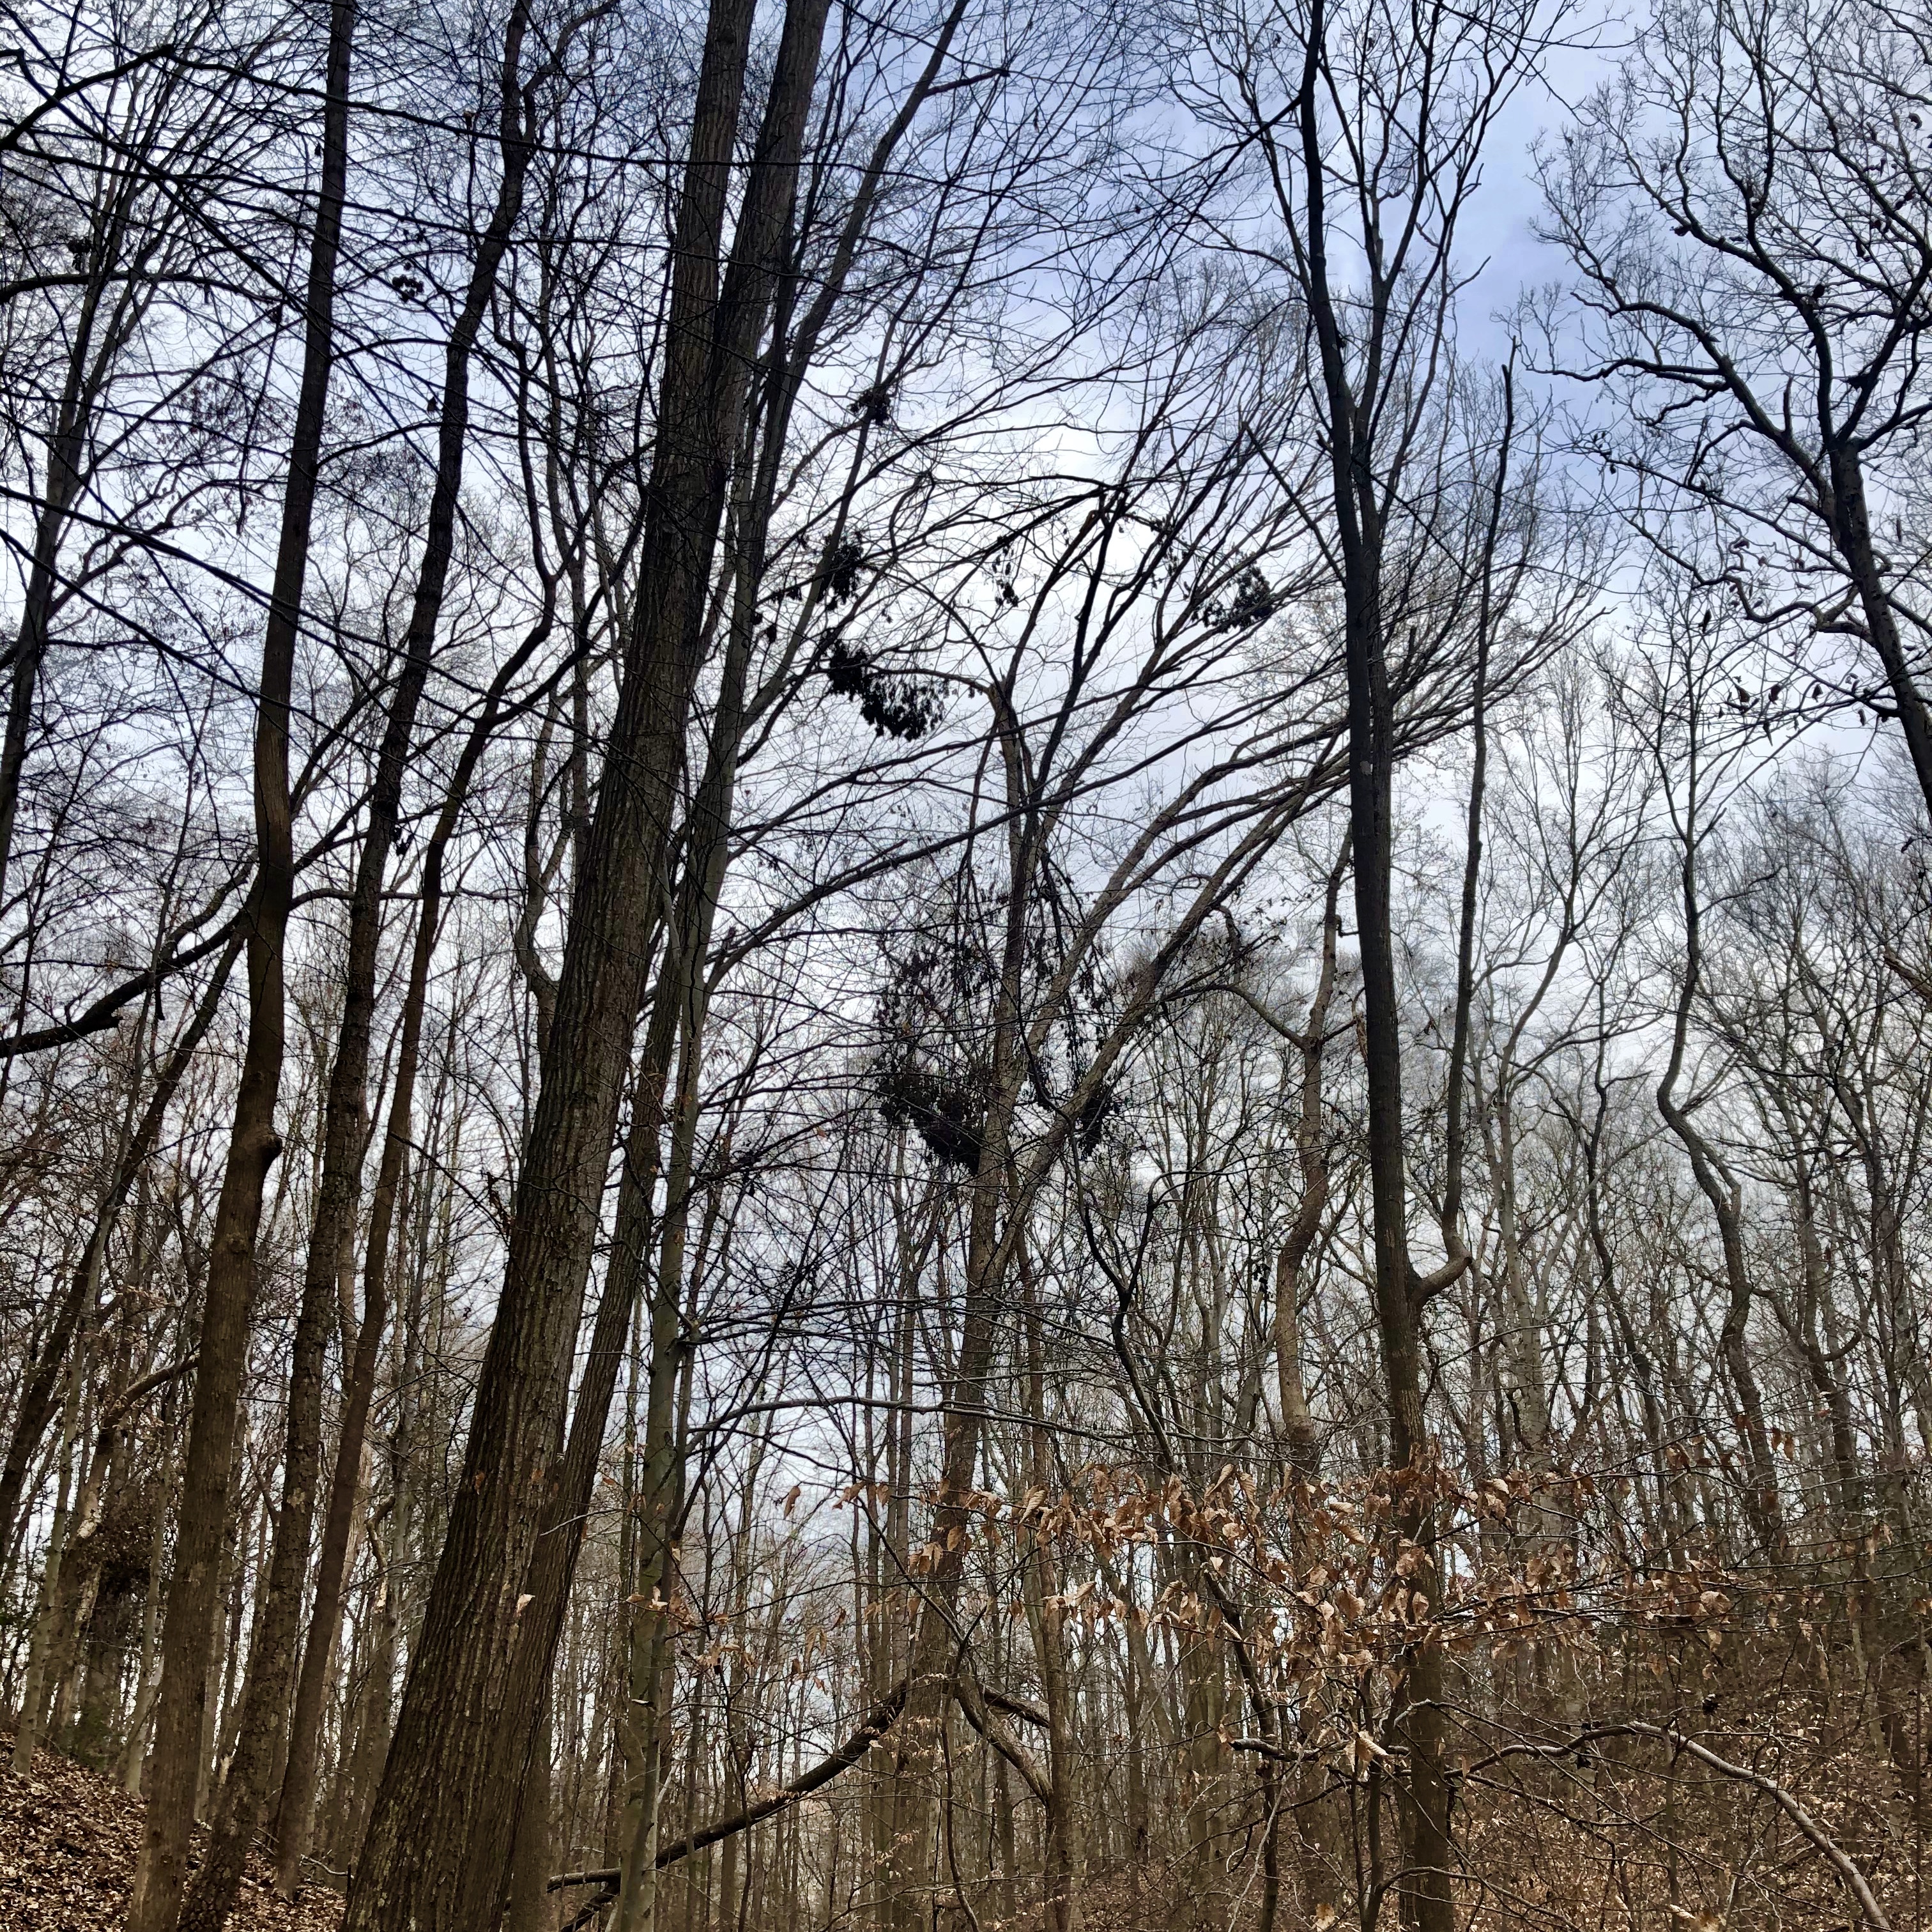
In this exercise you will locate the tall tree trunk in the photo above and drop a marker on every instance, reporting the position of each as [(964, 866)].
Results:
[(680, 1002), (1400, 1295), (1849, 518), (294, 1812), (1423, 1798), (271, 1666), (436, 1850), (187, 1636), (66, 454)]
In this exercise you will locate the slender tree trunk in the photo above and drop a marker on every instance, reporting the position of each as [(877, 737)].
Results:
[(134, 1754), (931, 1672), (646, 1731), (271, 1666), (1670, 1513), (1423, 1795), (530, 1860), (187, 1636), (1761, 1504), (678, 1008), (1312, 1157), (42, 1641), (1423, 1798), (1046, 1614), (66, 449)]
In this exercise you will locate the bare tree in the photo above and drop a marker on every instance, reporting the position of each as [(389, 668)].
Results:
[(1741, 204)]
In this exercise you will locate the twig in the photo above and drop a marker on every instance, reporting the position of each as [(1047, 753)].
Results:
[(1821, 1840)]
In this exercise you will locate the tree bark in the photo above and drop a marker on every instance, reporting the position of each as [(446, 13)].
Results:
[(265, 1704), (469, 1709), (1423, 1796), (1312, 1157), (1761, 1504), (1046, 1614), (187, 1635)]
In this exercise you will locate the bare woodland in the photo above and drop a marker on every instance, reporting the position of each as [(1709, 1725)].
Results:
[(970, 966)]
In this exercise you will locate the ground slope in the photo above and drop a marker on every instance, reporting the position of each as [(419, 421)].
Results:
[(67, 1840)]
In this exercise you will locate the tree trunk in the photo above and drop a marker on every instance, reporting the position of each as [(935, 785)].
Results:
[(1399, 1296), (1762, 1504), (530, 1858), (469, 1707), (271, 1666), (1312, 1157), (65, 454), (187, 1635), (26, 1729), (1061, 1878)]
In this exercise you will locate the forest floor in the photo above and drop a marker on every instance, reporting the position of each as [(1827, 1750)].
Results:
[(67, 1840)]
